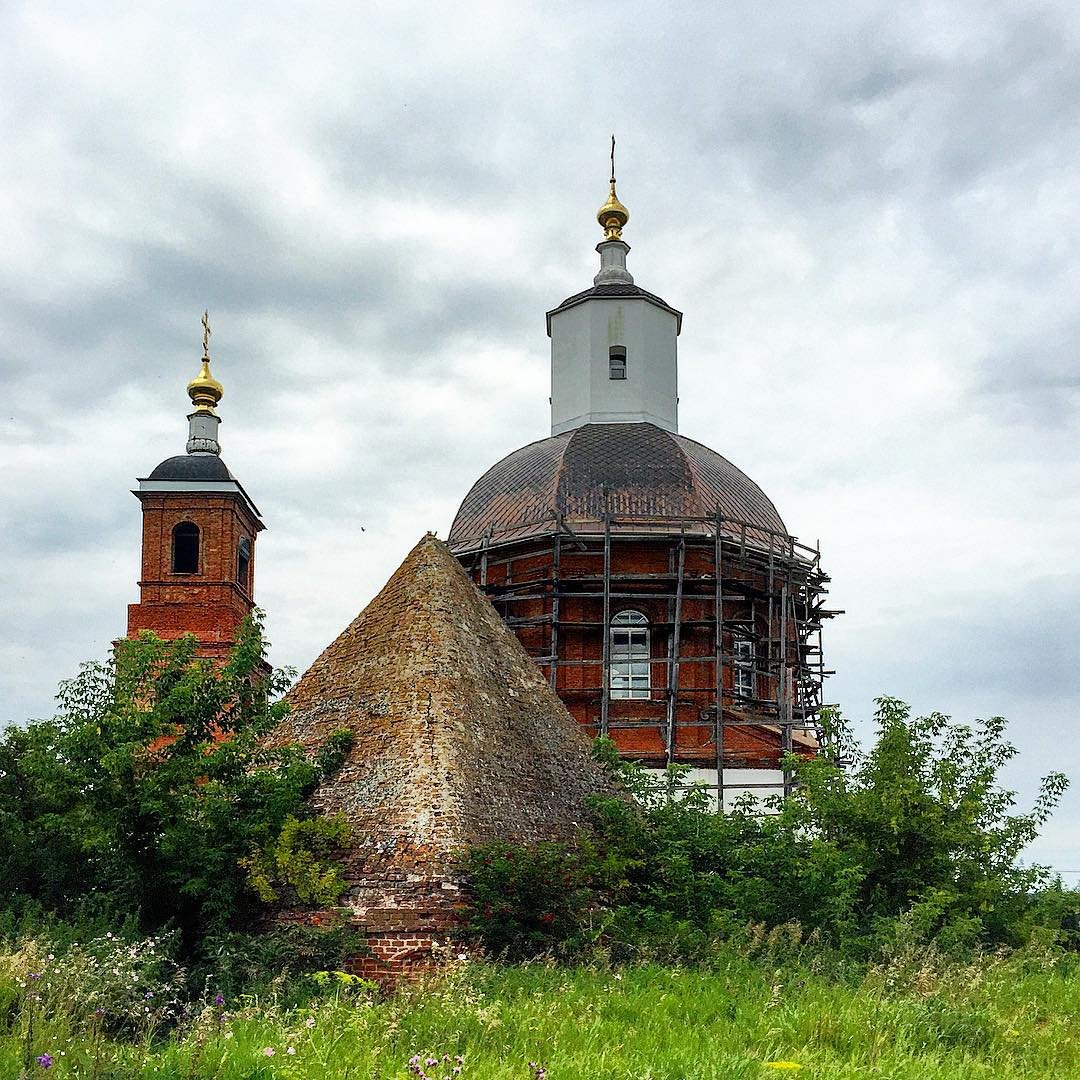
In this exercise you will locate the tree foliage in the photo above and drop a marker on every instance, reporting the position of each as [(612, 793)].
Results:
[(154, 785), (916, 829)]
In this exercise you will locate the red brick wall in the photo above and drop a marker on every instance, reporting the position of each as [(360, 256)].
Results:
[(530, 571), (393, 956), (211, 603)]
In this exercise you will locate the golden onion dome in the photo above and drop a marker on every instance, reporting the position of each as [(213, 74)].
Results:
[(204, 390), (612, 215)]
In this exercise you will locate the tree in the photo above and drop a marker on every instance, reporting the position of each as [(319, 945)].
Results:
[(156, 784), (915, 836), (923, 815)]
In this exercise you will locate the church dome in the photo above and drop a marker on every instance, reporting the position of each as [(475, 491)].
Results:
[(192, 467), (636, 471)]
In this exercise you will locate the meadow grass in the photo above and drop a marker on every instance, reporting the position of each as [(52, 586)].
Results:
[(740, 1018)]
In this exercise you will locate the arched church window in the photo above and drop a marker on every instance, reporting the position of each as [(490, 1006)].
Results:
[(629, 655), (617, 362), (243, 563), (185, 548), (745, 675)]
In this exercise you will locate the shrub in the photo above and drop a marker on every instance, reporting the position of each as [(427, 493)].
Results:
[(155, 787), (913, 840), (923, 817), (526, 900)]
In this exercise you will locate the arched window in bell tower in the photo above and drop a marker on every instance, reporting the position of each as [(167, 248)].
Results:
[(243, 564), (185, 548)]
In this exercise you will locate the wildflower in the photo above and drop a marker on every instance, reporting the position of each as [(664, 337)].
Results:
[(35, 975), (219, 999), (45, 1061), (783, 1066), (309, 1023), (290, 1051), (431, 1061), (268, 1051)]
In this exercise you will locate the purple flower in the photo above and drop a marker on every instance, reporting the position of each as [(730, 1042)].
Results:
[(219, 999), (35, 975), (45, 1061)]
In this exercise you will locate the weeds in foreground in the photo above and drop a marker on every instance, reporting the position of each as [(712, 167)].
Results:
[(756, 1011)]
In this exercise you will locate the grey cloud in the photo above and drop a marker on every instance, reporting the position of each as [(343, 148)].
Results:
[(1035, 381)]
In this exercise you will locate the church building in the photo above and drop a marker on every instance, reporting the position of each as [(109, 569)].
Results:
[(641, 588), (654, 583)]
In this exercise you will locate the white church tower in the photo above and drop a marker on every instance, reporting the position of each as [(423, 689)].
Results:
[(613, 347)]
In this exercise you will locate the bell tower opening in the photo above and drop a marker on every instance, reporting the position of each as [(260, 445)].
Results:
[(617, 362), (185, 548)]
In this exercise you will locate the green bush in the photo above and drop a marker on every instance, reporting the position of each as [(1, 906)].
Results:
[(154, 791), (913, 841), (525, 901)]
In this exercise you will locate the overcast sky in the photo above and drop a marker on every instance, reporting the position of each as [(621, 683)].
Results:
[(867, 212)]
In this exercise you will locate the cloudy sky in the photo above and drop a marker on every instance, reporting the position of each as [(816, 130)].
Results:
[(867, 212)]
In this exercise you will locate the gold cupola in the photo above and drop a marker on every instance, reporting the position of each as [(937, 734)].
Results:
[(204, 390), (612, 215)]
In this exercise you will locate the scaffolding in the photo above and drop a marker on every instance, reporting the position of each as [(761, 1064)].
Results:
[(551, 579)]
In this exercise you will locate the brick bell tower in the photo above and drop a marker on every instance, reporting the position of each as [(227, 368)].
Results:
[(199, 532)]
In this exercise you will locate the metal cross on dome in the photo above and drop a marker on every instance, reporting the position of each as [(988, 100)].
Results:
[(207, 331)]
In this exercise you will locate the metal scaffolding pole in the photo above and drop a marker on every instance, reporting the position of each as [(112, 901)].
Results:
[(605, 690), (719, 597), (673, 670), (556, 595)]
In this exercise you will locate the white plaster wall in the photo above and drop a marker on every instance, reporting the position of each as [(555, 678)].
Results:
[(582, 391), (733, 778)]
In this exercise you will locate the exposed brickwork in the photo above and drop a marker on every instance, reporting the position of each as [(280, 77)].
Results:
[(210, 603), (639, 567), (457, 740), (392, 957)]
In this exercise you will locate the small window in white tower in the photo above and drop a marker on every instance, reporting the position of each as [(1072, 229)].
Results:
[(745, 677), (617, 362), (629, 656)]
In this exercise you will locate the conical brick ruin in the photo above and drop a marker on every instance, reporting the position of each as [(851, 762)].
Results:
[(458, 740)]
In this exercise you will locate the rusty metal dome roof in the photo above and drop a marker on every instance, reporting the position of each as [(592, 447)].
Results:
[(637, 472)]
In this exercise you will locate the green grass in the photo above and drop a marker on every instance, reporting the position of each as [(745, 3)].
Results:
[(999, 1018)]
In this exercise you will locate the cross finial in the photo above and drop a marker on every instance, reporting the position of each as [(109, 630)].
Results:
[(206, 332), (613, 159)]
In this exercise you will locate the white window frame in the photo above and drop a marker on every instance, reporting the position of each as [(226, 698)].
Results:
[(629, 656), (744, 677)]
